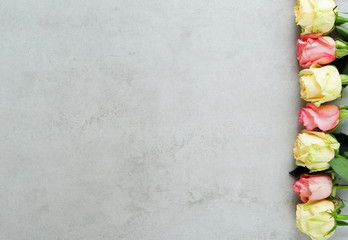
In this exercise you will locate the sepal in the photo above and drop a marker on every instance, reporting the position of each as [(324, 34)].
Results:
[(340, 44), (340, 20), (340, 53), (343, 114), (341, 223)]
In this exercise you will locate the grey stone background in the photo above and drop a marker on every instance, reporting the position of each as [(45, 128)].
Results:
[(148, 120)]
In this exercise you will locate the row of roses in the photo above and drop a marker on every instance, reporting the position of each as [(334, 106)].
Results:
[(320, 156)]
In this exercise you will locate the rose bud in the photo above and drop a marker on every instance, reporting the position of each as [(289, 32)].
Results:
[(321, 84), (315, 49), (315, 219), (315, 150), (315, 16), (313, 187), (325, 117)]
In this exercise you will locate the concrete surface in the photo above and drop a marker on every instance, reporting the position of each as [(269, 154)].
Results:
[(148, 120)]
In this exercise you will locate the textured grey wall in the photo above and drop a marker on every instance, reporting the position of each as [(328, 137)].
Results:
[(147, 120)]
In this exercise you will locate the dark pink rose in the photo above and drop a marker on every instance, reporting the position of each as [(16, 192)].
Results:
[(315, 49), (313, 187), (325, 117)]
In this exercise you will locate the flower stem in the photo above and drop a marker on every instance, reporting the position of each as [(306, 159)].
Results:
[(341, 217), (341, 187)]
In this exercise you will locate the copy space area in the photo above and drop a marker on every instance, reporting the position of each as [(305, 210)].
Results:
[(148, 120)]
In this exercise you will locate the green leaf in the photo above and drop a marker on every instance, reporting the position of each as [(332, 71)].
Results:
[(342, 31), (299, 171), (340, 166), (343, 140), (341, 223)]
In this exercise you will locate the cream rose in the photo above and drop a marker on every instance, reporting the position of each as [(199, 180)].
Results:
[(320, 84), (315, 16), (314, 219), (315, 150)]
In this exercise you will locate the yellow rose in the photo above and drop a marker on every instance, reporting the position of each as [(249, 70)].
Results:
[(315, 150), (314, 219), (320, 84), (315, 16)]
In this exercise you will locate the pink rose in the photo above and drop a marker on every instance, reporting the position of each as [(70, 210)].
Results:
[(313, 187), (315, 49), (325, 117)]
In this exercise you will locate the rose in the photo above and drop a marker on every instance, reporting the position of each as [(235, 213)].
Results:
[(315, 16), (319, 219), (315, 49), (324, 117), (314, 150), (320, 84), (313, 187), (314, 219)]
